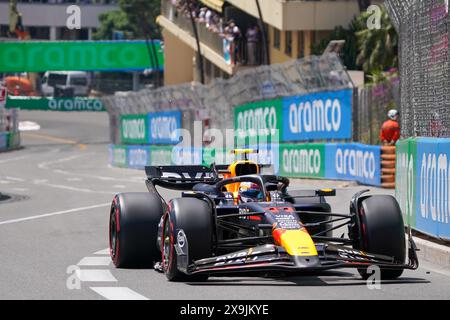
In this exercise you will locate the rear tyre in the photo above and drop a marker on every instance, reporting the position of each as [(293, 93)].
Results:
[(194, 217), (133, 227), (382, 232)]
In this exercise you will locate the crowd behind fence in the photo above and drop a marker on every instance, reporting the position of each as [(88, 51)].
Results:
[(215, 101), (423, 27)]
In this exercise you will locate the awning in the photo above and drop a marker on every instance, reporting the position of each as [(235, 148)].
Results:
[(214, 4)]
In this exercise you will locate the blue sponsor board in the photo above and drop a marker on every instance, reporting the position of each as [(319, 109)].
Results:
[(268, 154), (3, 140), (138, 156), (317, 116), (433, 186), (163, 127), (353, 161), (187, 156)]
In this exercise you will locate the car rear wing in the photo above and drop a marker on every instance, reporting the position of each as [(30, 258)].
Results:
[(181, 177)]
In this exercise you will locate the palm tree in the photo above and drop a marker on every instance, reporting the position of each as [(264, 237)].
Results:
[(377, 48)]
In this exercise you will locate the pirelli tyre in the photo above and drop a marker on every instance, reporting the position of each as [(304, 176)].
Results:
[(382, 232), (194, 217), (133, 227)]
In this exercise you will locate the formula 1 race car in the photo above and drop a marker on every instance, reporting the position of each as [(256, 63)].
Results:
[(262, 229)]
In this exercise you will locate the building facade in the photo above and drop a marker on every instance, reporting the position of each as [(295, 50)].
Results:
[(285, 30)]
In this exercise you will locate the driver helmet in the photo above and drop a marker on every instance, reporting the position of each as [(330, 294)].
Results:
[(250, 192)]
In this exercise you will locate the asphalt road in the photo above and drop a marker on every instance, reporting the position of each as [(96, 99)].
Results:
[(53, 231)]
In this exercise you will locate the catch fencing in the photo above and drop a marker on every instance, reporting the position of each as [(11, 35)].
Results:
[(215, 102), (423, 27)]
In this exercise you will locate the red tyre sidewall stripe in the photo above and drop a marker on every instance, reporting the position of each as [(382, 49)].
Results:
[(115, 257)]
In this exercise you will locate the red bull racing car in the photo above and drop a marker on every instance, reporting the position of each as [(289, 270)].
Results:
[(261, 228)]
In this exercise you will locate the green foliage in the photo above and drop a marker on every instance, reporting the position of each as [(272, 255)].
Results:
[(377, 48), (135, 17), (372, 51)]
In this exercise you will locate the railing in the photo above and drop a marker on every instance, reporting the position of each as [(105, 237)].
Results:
[(207, 37)]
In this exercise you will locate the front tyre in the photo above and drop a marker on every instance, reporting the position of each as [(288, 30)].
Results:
[(382, 232), (133, 226)]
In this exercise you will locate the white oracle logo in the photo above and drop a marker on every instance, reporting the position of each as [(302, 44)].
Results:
[(356, 163), (302, 161), (318, 116), (434, 187)]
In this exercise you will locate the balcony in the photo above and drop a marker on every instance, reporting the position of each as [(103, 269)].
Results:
[(212, 44)]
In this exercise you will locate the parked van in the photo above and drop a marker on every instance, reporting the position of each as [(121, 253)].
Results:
[(78, 80)]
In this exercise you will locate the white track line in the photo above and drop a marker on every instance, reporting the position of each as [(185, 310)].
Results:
[(12, 159), (93, 275), (45, 215), (103, 251), (94, 261), (118, 293)]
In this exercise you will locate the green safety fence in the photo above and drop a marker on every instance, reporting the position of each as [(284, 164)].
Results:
[(55, 104)]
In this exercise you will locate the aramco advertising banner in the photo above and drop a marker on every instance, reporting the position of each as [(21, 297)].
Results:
[(423, 184), (302, 160), (151, 128), (41, 56), (55, 104), (353, 161), (164, 127), (316, 116)]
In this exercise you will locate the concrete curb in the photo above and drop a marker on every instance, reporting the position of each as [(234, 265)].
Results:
[(433, 253)]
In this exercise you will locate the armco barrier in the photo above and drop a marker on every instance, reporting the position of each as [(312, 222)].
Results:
[(351, 161), (423, 184)]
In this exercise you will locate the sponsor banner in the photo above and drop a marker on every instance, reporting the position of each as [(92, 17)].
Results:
[(55, 104), (3, 140), (134, 128), (317, 116), (118, 156), (164, 127), (258, 120), (187, 155), (41, 56), (433, 186), (138, 156), (302, 160), (405, 188), (160, 155), (353, 161), (267, 155)]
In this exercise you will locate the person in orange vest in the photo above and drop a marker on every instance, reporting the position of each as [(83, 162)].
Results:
[(390, 130)]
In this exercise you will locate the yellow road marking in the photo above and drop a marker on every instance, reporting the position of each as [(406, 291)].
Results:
[(54, 139)]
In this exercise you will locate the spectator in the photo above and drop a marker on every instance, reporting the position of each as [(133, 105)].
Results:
[(390, 130), (252, 36)]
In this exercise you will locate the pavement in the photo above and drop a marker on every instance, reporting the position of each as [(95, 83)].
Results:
[(54, 229)]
